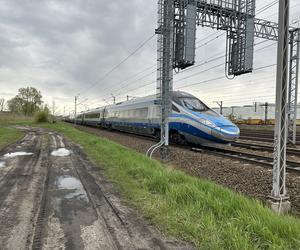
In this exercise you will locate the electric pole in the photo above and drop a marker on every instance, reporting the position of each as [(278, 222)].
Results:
[(165, 33), (266, 112), (293, 85), (280, 200), (220, 104), (255, 107), (114, 98), (75, 110), (266, 106)]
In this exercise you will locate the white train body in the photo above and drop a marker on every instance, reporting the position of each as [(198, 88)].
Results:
[(190, 120)]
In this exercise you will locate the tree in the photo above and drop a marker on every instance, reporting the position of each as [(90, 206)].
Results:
[(28, 101), (2, 104), (15, 105)]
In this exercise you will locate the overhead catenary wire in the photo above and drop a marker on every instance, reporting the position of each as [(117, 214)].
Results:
[(262, 9), (119, 64), (221, 77), (206, 61), (267, 6)]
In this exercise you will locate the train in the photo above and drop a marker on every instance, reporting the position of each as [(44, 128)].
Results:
[(191, 121)]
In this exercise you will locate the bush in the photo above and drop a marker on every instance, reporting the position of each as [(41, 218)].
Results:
[(41, 116)]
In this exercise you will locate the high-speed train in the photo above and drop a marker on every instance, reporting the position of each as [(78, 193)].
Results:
[(191, 121)]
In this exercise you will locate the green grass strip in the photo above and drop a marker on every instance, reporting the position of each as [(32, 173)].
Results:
[(192, 209), (9, 135)]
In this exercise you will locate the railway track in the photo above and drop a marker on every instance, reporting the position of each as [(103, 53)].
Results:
[(268, 148), (225, 152), (265, 136), (292, 166)]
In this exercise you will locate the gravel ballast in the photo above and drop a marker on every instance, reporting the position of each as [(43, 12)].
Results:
[(251, 180)]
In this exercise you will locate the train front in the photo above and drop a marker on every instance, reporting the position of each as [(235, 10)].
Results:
[(214, 127)]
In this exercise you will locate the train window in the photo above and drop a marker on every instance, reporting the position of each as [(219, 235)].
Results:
[(174, 108), (193, 104), (92, 116), (143, 112)]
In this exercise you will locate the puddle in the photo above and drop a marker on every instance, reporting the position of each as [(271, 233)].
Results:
[(61, 152), (11, 155), (2, 164), (74, 185)]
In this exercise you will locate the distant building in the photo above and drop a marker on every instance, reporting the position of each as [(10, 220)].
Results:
[(259, 112)]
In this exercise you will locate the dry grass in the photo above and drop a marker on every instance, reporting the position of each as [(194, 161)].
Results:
[(7, 118)]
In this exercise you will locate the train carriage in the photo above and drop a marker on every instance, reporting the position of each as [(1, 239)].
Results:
[(190, 120)]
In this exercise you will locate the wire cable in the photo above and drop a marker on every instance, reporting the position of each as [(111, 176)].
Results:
[(119, 64)]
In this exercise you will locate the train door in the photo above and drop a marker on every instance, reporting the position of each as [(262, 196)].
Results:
[(103, 116)]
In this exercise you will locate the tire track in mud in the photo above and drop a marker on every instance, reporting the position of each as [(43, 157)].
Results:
[(128, 229), (20, 172), (62, 201), (19, 189)]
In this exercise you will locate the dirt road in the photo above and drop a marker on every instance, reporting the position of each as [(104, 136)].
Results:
[(52, 197)]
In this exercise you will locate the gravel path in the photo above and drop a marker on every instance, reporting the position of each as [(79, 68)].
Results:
[(254, 181)]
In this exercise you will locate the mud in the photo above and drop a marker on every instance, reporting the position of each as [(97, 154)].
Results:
[(54, 198)]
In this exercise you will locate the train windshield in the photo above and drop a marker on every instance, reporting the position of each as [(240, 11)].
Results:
[(193, 104)]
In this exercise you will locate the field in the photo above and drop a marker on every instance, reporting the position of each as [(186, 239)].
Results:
[(8, 118), (9, 135), (193, 209)]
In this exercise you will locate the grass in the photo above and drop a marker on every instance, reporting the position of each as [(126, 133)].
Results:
[(9, 118), (9, 135), (41, 116), (192, 209)]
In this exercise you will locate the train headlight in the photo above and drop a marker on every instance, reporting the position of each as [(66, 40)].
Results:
[(208, 123)]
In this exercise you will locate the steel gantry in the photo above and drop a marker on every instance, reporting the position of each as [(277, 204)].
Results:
[(293, 85), (280, 200), (165, 52), (177, 21)]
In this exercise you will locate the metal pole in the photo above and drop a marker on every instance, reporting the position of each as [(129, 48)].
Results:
[(266, 112), (75, 110), (280, 201), (220, 104), (221, 107), (293, 85), (165, 32)]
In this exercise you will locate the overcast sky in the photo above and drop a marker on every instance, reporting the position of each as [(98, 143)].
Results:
[(63, 48)]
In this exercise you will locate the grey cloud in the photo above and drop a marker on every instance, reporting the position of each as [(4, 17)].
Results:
[(62, 47)]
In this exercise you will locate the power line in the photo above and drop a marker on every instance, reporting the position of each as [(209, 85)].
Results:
[(119, 64), (205, 62), (221, 77), (214, 59), (213, 34), (266, 7), (201, 45)]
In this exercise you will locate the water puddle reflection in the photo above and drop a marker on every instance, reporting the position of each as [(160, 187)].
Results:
[(61, 152), (74, 185), (11, 155)]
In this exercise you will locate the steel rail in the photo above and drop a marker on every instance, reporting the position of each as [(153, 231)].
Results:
[(292, 166)]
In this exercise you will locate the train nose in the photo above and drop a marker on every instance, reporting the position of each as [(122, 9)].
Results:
[(227, 133)]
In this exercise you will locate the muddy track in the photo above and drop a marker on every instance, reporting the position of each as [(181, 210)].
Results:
[(20, 178), (55, 198)]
